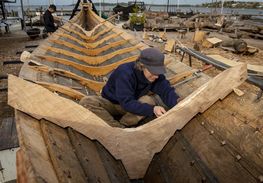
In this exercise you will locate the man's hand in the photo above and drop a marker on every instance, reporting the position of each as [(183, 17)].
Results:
[(158, 111)]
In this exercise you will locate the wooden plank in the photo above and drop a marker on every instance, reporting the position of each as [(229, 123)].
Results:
[(63, 157), (21, 171), (89, 59), (211, 42), (8, 134), (217, 157), (87, 153), (94, 71), (199, 36), (180, 76), (96, 161), (94, 85), (169, 46), (35, 156), (115, 172), (249, 111), (231, 63), (135, 154), (62, 89), (5, 132), (174, 164), (233, 129)]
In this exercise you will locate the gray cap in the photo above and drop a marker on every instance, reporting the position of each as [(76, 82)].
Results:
[(153, 60), (52, 6)]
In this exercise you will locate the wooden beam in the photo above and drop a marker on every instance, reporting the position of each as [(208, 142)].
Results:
[(68, 167), (90, 45), (31, 155), (88, 59), (70, 30), (254, 68), (97, 51), (73, 39), (69, 45), (101, 41), (96, 36), (91, 52), (87, 33), (93, 71), (169, 46), (84, 36), (93, 85), (61, 89), (21, 167), (178, 77), (135, 147)]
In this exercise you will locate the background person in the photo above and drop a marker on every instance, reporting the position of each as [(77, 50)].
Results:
[(49, 19)]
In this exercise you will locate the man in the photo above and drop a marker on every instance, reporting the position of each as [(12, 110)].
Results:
[(49, 20), (126, 91)]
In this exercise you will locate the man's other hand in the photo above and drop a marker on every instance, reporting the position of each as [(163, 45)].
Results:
[(158, 111)]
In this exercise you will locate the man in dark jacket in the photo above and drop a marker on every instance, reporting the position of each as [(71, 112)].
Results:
[(49, 20), (126, 91)]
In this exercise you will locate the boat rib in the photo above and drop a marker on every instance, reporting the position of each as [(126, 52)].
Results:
[(88, 59), (91, 70), (91, 52), (93, 85)]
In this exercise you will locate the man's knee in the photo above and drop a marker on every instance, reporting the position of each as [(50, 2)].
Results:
[(90, 101), (147, 99)]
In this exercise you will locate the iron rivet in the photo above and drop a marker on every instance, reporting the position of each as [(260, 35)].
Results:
[(260, 178), (212, 132), (238, 157), (223, 143), (60, 157)]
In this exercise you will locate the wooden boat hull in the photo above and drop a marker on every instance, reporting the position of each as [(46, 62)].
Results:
[(61, 141)]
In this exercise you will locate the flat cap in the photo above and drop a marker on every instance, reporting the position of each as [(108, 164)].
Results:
[(153, 60)]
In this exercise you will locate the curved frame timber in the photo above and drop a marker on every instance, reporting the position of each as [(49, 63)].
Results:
[(91, 38), (89, 59), (62, 89), (91, 52), (135, 147), (89, 45), (87, 33), (91, 70), (93, 85)]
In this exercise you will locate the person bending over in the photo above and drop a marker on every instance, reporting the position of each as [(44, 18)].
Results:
[(126, 92)]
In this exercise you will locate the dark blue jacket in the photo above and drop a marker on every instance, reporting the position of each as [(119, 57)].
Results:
[(127, 84), (49, 22)]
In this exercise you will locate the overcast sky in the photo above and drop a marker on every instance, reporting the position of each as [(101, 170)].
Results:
[(67, 2)]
